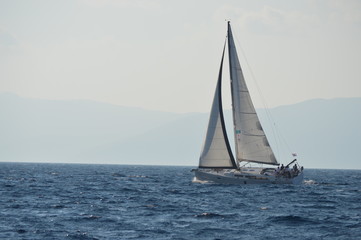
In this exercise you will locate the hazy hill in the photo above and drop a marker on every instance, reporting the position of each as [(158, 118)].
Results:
[(45, 130), (325, 133)]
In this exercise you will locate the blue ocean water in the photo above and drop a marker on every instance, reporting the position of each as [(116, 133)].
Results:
[(74, 201)]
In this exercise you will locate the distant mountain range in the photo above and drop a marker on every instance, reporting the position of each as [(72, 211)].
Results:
[(324, 133)]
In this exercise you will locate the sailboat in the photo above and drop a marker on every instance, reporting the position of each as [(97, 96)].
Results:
[(217, 163)]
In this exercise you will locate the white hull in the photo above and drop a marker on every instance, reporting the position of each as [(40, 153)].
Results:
[(245, 176)]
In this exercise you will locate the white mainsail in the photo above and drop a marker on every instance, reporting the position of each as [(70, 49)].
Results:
[(251, 143), (216, 151)]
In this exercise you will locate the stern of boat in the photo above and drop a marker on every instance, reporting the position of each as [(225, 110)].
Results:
[(298, 179)]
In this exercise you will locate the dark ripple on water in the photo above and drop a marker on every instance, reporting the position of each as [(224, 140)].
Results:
[(60, 201)]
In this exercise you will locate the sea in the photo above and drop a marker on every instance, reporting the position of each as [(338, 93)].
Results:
[(80, 201)]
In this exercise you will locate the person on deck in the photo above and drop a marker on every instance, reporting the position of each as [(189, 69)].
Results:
[(295, 169)]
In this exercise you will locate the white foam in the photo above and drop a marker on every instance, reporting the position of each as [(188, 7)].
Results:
[(195, 180), (309, 182)]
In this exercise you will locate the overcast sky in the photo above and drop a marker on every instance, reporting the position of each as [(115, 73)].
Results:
[(165, 55)]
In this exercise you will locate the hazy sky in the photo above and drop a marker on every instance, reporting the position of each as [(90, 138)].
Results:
[(164, 55)]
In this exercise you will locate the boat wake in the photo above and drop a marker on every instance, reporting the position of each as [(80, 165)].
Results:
[(309, 182), (195, 180)]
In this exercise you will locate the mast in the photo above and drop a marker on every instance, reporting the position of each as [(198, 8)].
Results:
[(251, 143), (216, 151)]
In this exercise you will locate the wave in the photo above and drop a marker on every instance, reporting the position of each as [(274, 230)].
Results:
[(208, 215), (90, 217), (291, 220)]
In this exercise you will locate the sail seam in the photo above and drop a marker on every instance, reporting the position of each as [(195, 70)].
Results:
[(247, 112), (254, 135)]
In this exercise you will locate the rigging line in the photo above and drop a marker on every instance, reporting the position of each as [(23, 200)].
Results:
[(268, 114), (284, 139)]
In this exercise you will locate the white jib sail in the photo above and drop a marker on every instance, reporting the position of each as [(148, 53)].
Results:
[(216, 152), (251, 142)]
